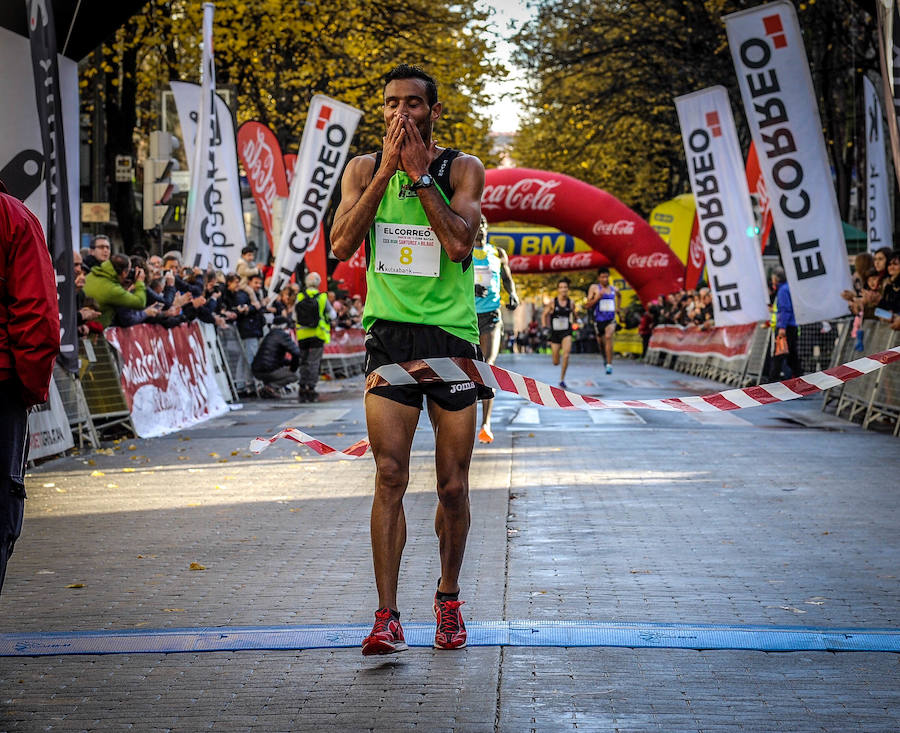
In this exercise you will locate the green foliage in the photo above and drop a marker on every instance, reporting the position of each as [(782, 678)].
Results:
[(604, 74)]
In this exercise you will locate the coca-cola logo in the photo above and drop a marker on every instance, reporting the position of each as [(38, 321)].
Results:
[(527, 194), (696, 252), (259, 162), (620, 228), (640, 262), (577, 261)]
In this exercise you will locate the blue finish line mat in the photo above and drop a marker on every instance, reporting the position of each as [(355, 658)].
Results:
[(484, 633)]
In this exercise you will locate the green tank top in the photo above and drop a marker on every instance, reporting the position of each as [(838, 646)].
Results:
[(410, 278)]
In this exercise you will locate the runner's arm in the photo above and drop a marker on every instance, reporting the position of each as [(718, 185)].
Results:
[(360, 196), (457, 224), (592, 297), (506, 277)]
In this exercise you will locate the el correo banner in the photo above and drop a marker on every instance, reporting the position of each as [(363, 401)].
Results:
[(48, 426), (878, 206), (58, 224), (225, 212), (724, 212), (773, 75), (323, 152), (214, 232)]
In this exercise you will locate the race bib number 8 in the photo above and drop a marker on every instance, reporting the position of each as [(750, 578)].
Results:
[(407, 249)]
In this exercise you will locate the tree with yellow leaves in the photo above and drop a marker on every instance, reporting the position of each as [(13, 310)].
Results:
[(275, 54), (604, 74)]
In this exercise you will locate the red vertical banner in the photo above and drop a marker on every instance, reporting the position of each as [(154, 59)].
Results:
[(757, 187), (290, 160), (262, 160), (696, 258)]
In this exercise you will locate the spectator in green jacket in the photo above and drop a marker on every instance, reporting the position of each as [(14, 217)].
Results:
[(113, 284)]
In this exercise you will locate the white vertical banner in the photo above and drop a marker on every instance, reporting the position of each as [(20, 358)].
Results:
[(329, 128), (214, 231), (878, 206), (724, 209), (48, 426), (776, 87)]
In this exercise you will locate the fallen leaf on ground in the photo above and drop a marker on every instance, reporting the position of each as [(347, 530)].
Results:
[(49, 486), (183, 458), (173, 610), (60, 491), (112, 486), (91, 462), (75, 585), (197, 566), (128, 470), (95, 474), (184, 438), (298, 458), (132, 447), (235, 452), (223, 460), (641, 572), (213, 455)]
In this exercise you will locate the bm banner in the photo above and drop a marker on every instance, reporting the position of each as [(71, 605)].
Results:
[(724, 211), (776, 87)]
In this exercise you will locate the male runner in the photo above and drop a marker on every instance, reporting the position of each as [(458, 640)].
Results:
[(491, 266), (559, 320), (418, 206), (603, 298)]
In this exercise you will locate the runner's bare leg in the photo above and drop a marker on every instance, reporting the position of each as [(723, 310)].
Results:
[(490, 347), (454, 437), (610, 334), (566, 347), (391, 428)]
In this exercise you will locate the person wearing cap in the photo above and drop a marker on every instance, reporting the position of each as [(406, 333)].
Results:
[(246, 266), (270, 365)]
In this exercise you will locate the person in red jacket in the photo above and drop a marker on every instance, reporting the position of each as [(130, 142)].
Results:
[(29, 343)]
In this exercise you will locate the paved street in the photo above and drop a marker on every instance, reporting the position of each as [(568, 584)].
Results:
[(774, 516)]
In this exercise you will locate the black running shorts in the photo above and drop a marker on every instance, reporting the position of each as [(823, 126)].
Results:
[(556, 337), (488, 321), (390, 342)]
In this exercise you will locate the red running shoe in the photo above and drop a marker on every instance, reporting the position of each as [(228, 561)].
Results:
[(386, 636), (451, 631)]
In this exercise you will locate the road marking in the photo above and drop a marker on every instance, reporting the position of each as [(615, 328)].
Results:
[(635, 635), (527, 416), (616, 417), (723, 419), (316, 417)]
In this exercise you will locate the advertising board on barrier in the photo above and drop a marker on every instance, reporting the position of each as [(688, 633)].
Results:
[(48, 427), (166, 377), (726, 342)]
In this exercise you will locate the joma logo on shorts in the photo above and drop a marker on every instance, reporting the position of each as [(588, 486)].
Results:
[(461, 387)]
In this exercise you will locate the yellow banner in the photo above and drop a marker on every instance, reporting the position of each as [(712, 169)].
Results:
[(673, 221)]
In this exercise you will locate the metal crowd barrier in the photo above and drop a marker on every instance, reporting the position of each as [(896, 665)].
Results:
[(236, 360), (77, 411), (874, 397), (99, 376)]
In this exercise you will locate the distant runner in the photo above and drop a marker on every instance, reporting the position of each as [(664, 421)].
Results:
[(491, 266), (603, 298), (559, 320)]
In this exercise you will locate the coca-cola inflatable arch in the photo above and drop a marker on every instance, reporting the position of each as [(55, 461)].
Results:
[(586, 212)]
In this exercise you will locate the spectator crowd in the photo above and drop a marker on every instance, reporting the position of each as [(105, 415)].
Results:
[(120, 290)]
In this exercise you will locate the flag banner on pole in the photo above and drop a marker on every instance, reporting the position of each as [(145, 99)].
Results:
[(49, 98), (724, 211), (434, 371), (323, 152), (878, 206), (776, 87), (214, 233), (264, 164), (757, 186)]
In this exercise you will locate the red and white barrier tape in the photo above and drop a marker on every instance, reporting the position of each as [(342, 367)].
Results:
[(433, 371)]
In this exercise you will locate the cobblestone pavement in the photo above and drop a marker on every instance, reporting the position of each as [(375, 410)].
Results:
[(778, 515)]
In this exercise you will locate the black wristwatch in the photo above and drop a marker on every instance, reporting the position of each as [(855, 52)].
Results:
[(425, 181)]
